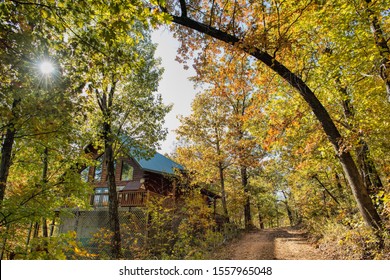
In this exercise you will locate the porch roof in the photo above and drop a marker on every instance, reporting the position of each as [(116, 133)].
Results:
[(132, 186)]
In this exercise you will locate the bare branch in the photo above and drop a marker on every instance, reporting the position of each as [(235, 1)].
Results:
[(212, 13), (322, 185), (183, 7)]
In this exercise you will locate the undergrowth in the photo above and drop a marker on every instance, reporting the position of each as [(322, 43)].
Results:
[(348, 238), (185, 232)]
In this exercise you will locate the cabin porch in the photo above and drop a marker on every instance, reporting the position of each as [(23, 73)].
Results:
[(126, 198)]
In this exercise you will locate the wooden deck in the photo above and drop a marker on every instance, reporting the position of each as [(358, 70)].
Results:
[(135, 198), (125, 198)]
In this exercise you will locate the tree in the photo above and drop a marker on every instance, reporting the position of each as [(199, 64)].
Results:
[(208, 145), (104, 53), (250, 28), (28, 95), (37, 132), (121, 83), (230, 84)]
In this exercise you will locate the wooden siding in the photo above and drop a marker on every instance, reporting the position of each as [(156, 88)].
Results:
[(155, 184), (138, 173), (158, 183)]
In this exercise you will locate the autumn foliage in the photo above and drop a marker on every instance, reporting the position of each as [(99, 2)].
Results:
[(290, 126)]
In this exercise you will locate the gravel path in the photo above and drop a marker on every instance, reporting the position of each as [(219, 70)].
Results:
[(270, 244)]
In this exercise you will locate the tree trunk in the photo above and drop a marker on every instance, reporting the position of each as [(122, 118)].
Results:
[(368, 170), (29, 236), (221, 176), (113, 213), (6, 150), (247, 203), (223, 193), (367, 167), (364, 202), (289, 214), (45, 162), (105, 101), (261, 221), (359, 191), (288, 209), (36, 230)]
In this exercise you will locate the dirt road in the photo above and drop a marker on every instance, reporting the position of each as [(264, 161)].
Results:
[(270, 244)]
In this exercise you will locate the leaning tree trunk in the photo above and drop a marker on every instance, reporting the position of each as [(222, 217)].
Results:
[(363, 200)]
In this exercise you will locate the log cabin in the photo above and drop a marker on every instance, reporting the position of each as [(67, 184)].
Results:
[(137, 180)]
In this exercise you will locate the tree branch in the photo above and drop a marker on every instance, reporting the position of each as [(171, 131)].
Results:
[(183, 7), (296, 82), (322, 185), (32, 4)]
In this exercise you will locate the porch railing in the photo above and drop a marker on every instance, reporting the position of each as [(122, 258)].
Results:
[(125, 198), (133, 198)]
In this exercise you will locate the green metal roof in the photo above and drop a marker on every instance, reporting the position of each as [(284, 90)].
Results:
[(159, 164)]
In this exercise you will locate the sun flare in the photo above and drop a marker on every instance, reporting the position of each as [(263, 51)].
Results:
[(46, 67)]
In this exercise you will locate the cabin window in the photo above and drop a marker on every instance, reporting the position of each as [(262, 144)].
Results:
[(98, 169), (84, 174), (101, 197), (127, 171)]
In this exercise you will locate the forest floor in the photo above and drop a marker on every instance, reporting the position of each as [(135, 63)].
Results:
[(270, 244)]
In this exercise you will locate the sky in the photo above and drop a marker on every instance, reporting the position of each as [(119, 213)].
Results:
[(174, 87)]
